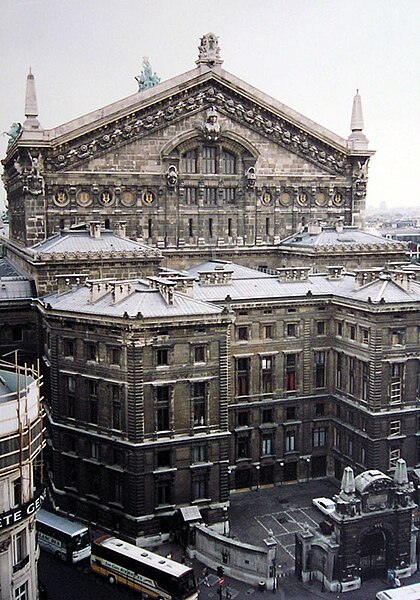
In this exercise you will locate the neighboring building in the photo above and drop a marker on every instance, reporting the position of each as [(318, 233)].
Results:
[(18, 318), (21, 488), (326, 369), (202, 163), (369, 534), (138, 403), (319, 371)]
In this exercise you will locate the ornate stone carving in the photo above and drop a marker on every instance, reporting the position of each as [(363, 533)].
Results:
[(246, 112), (209, 51), (172, 177), (13, 133)]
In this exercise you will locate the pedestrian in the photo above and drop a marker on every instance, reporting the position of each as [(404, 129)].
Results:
[(206, 577), (228, 593), (183, 559)]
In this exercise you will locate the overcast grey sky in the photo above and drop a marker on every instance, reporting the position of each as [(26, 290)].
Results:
[(311, 55)]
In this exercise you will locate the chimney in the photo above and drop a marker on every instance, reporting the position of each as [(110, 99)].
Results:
[(95, 229), (365, 276), (98, 288), (403, 278), (120, 228), (217, 277), (121, 290), (287, 274), (66, 283), (339, 226), (314, 227), (335, 272)]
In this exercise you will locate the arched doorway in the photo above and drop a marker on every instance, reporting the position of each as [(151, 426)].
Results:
[(374, 553)]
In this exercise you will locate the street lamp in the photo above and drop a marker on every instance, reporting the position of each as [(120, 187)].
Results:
[(225, 510), (323, 575), (258, 477)]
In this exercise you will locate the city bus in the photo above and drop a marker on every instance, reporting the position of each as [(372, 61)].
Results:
[(66, 539), (151, 574), (406, 592)]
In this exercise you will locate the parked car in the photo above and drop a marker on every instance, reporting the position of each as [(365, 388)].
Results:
[(325, 505)]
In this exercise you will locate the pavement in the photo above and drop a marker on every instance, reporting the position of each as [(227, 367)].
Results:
[(278, 511)]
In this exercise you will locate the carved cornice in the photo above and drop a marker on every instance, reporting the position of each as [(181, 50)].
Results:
[(229, 103)]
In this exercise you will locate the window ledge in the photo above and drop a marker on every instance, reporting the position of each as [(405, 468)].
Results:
[(201, 465), (162, 470)]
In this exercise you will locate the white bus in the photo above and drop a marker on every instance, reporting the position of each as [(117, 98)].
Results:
[(66, 539), (151, 574), (405, 592)]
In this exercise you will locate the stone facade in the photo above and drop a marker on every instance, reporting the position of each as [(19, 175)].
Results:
[(202, 161), (138, 409)]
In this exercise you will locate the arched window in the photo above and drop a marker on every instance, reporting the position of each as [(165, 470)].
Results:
[(209, 163)]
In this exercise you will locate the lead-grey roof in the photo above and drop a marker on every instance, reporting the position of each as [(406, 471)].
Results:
[(238, 271), (142, 301), (7, 270), (81, 242), (329, 236), (262, 287)]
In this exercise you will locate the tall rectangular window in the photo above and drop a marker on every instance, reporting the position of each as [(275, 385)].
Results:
[(290, 441), (243, 447), (71, 388), (319, 436), (198, 454), (397, 337), (266, 445), (190, 195), (365, 380), (17, 492), (149, 228), (210, 227), (19, 550), (91, 351), (229, 195), (320, 369), (352, 370), (209, 159), (162, 408), (199, 403), (189, 161), (242, 376), (163, 491), (229, 231), (199, 354), (267, 374), (190, 228), (394, 455), (68, 347), (210, 196), (290, 372), (21, 592), (199, 486), (162, 356), (396, 382)]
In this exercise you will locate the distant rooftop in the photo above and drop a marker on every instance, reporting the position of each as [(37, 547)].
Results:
[(341, 237)]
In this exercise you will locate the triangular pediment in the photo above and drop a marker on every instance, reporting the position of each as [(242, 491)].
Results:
[(135, 117)]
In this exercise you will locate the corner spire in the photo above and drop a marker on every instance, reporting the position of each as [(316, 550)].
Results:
[(31, 106), (209, 51), (357, 138)]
